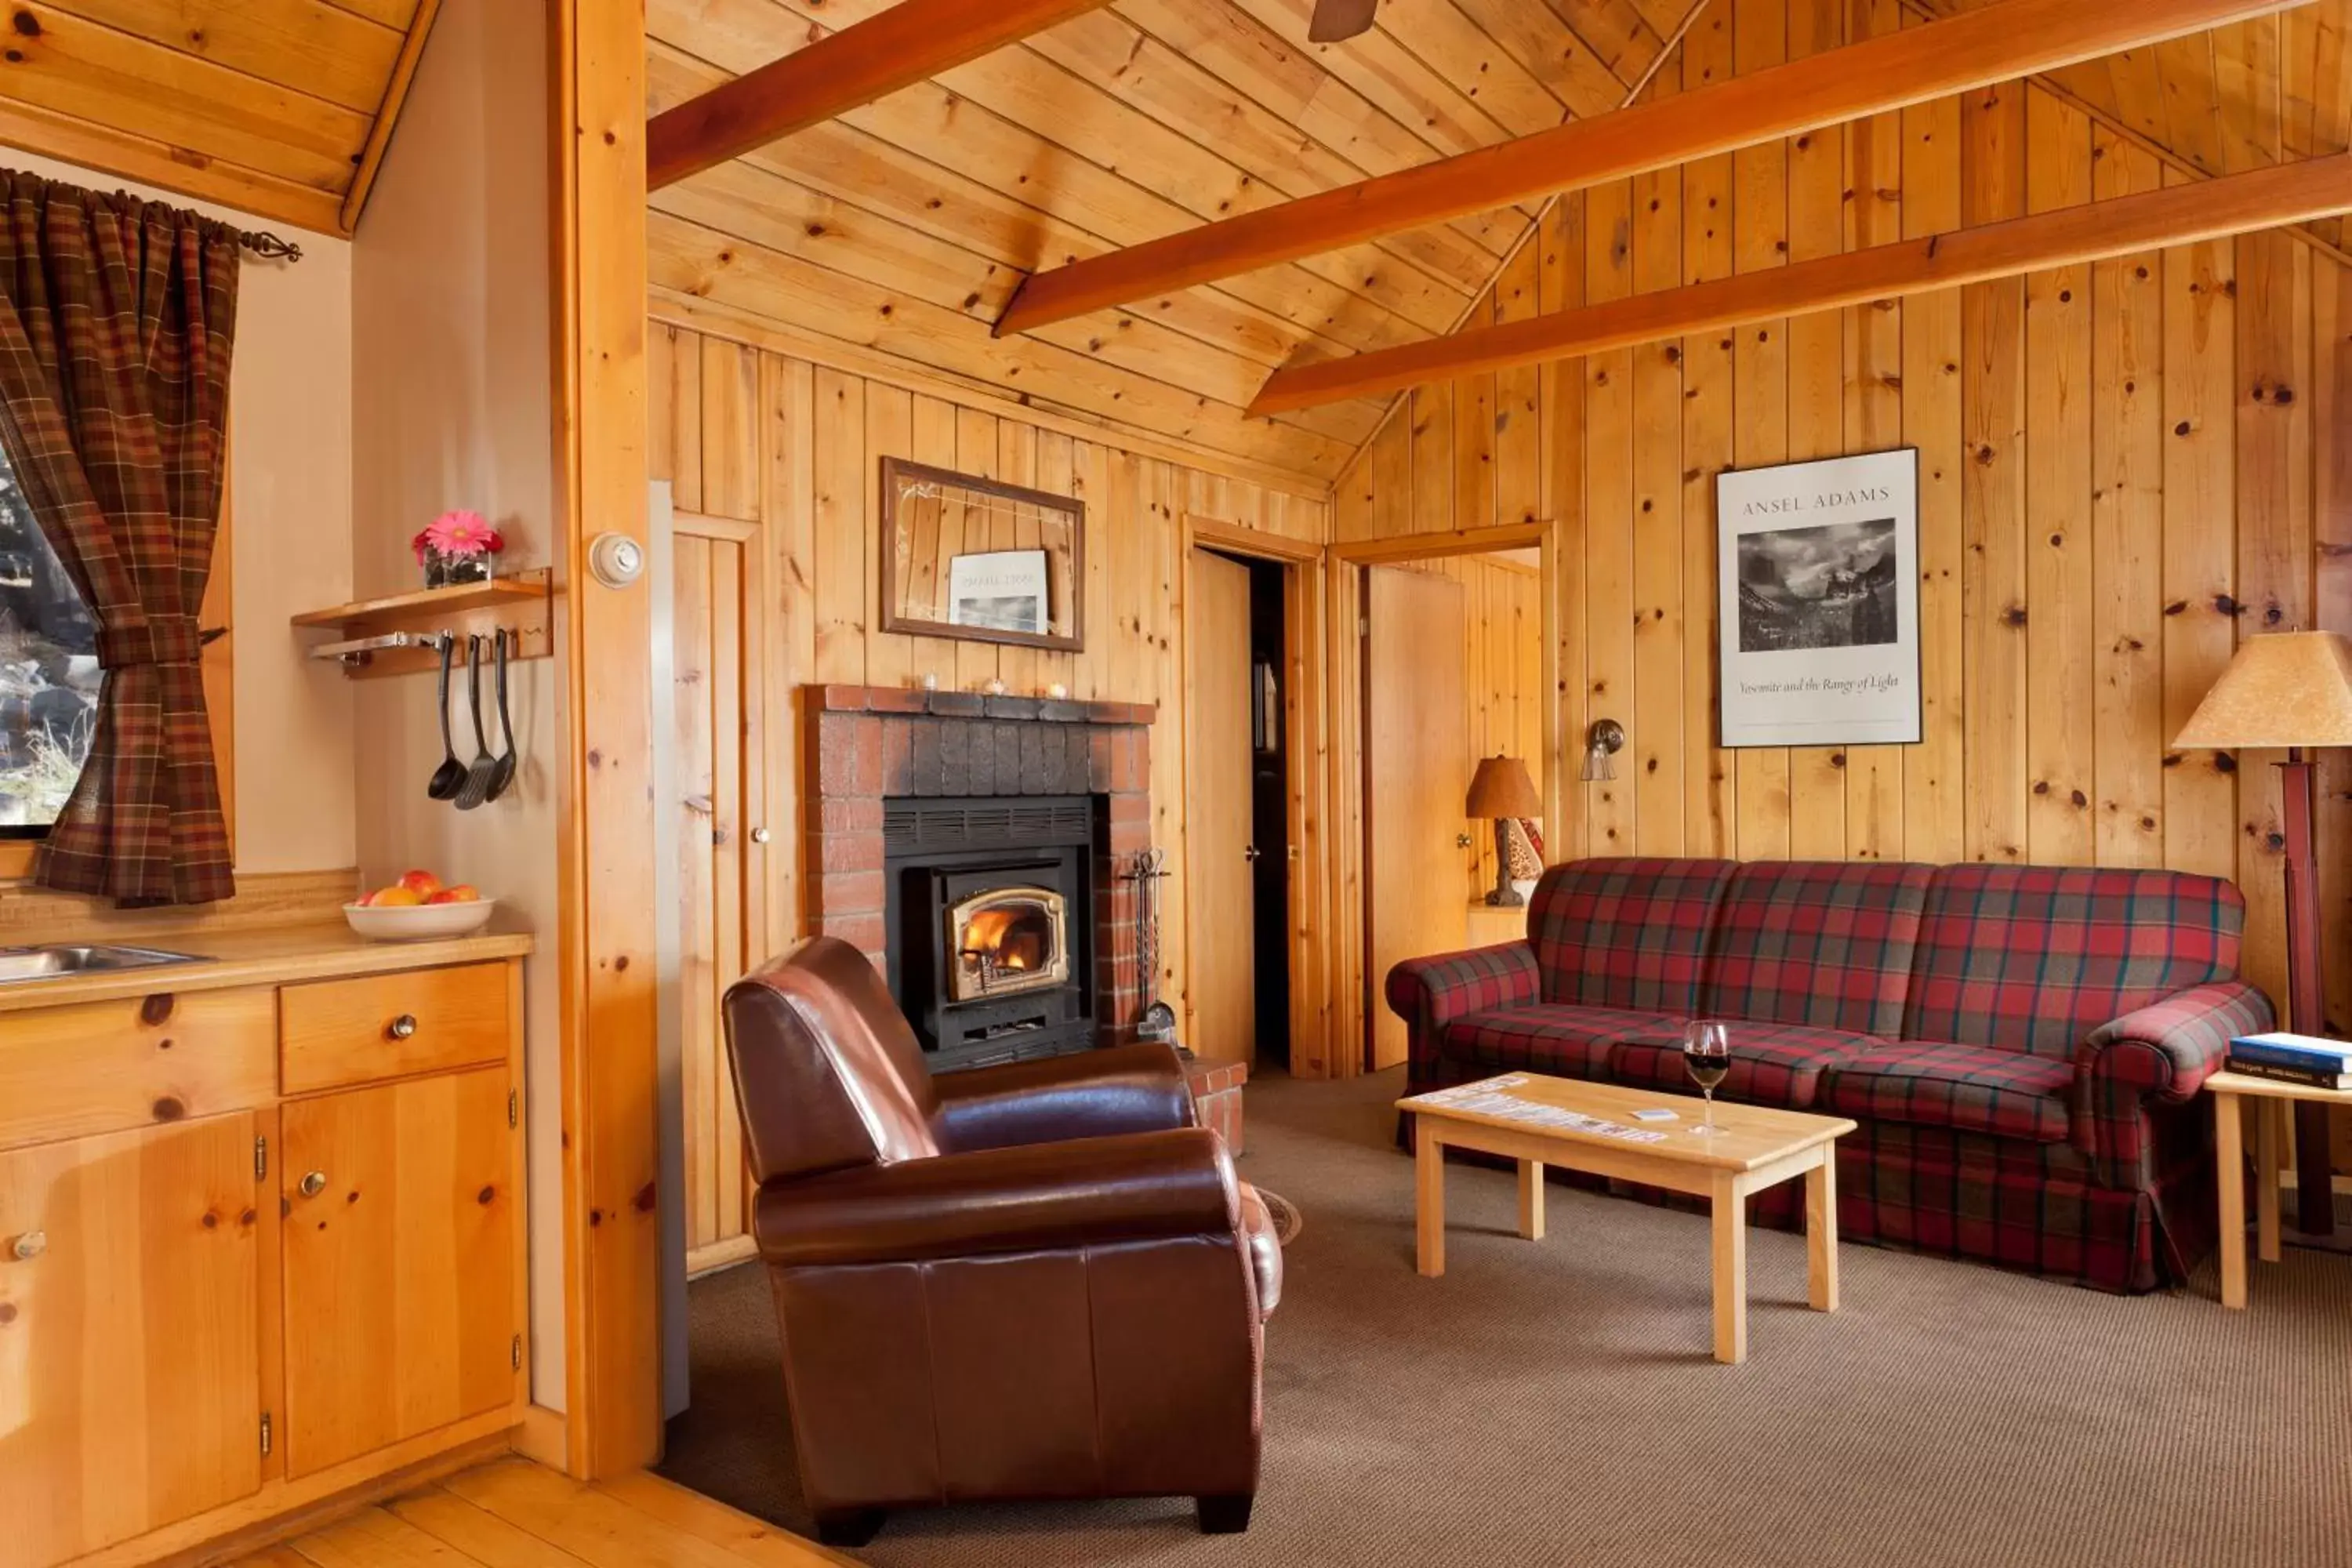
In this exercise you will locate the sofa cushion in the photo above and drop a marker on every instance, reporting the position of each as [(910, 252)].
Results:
[(1828, 943), (2033, 958), (1564, 1040), (1782, 1065), (1974, 1089), (1628, 934)]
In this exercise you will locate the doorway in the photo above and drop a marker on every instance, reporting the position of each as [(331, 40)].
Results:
[(1238, 768), (1452, 672)]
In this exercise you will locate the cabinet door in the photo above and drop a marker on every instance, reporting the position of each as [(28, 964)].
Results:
[(129, 1334), (401, 1304)]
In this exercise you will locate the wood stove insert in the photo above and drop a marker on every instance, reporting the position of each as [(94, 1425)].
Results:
[(989, 921)]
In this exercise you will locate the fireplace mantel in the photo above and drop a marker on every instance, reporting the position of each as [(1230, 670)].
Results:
[(873, 743)]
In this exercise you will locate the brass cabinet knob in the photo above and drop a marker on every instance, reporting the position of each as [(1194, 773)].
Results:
[(1462, 841), (29, 1245), (400, 1028), (759, 835), (314, 1184)]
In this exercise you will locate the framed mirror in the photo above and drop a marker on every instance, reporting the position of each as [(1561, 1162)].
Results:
[(970, 558)]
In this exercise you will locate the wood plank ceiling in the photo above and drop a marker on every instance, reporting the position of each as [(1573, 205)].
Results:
[(904, 226), (282, 108), (907, 224)]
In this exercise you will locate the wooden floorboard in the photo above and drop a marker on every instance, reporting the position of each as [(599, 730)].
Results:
[(512, 1513)]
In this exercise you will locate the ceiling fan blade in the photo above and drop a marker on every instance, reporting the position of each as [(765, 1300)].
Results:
[(1336, 20)]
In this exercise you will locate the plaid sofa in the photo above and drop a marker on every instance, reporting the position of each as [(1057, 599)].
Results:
[(2020, 1045)]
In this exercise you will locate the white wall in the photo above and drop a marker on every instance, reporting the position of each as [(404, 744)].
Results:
[(453, 408), (290, 502)]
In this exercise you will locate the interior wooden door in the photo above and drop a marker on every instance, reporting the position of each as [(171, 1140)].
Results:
[(1414, 782), (715, 630), (130, 1340), (1218, 829), (403, 1309)]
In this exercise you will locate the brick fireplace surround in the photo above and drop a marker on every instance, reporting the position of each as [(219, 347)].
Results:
[(873, 742)]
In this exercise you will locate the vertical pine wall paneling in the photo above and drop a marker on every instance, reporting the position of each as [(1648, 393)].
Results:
[(2123, 469), (1873, 403), (1759, 397)]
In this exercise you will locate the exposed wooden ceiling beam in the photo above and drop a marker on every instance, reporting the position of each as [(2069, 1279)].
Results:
[(2236, 204), (910, 42), (2016, 38)]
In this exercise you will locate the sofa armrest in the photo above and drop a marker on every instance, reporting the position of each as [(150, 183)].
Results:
[(1430, 993), (1082, 1192), (2162, 1053), (1087, 1094)]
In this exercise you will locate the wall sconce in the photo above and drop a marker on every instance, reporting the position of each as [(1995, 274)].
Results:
[(1603, 741)]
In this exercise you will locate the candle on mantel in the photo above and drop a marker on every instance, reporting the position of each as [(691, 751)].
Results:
[(1057, 692), (931, 680), (994, 686)]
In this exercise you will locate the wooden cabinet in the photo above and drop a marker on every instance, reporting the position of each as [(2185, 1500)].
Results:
[(403, 1308), (130, 1333), (257, 1245), (335, 1033)]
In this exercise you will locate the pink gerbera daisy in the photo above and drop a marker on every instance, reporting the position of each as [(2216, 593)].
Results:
[(463, 534)]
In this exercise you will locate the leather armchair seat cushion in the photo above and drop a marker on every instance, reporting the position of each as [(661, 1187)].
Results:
[(1265, 1250)]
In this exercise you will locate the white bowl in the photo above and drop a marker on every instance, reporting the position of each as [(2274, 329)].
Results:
[(419, 922)]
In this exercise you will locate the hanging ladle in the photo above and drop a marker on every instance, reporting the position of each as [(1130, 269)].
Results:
[(478, 777), (502, 771), (450, 776)]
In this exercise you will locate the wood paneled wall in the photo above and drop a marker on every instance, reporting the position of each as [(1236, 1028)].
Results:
[(795, 449), (2124, 469), (1502, 679)]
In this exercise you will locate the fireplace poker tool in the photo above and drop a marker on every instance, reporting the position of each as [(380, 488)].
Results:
[(1147, 871)]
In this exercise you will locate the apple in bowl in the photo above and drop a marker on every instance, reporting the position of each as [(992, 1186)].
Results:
[(419, 906)]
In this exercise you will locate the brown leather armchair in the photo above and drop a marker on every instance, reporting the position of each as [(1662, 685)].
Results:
[(1033, 1281)]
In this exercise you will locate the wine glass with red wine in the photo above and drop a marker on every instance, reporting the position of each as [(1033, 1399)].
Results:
[(1707, 1057)]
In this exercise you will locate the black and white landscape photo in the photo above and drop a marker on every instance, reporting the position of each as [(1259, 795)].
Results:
[(1818, 599), (1829, 586)]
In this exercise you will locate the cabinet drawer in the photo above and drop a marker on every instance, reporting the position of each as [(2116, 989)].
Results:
[(335, 1033), (105, 1067)]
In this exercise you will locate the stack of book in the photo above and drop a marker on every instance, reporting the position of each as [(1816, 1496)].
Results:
[(2294, 1058)]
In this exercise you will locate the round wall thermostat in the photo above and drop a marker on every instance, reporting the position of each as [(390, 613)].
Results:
[(616, 560)]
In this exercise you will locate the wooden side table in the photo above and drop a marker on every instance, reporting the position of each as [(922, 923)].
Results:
[(1490, 925), (2275, 1100)]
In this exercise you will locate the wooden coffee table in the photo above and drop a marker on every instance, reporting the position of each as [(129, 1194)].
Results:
[(1592, 1127)]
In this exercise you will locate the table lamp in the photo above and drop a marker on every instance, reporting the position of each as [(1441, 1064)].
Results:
[(2290, 690), (1502, 790)]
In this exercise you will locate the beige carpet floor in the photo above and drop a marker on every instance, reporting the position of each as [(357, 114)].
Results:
[(1554, 1402)]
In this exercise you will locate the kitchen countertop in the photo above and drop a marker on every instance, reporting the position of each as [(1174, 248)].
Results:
[(268, 956)]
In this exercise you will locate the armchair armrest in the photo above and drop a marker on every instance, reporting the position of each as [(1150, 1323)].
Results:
[(2162, 1053), (1090, 1094), (1081, 1192), (1430, 993)]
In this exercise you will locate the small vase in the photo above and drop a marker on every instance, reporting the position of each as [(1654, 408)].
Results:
[(443, 571), (468, 568)]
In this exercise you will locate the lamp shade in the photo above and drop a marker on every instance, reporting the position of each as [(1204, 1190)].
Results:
[(2285, 689), (1501, 788)]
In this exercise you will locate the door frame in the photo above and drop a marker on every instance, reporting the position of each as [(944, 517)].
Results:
[(1306, 720), (1355, 989)]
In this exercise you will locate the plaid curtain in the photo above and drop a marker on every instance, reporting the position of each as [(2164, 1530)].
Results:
[(116, 319)]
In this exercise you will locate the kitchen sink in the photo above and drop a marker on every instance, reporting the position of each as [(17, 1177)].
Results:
[(58, 960)]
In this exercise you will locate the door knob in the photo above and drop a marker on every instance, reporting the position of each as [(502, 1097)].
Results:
[(314, 1184), (402, 1027), (760, 835), (1462, 841), (29, 1245), (1251, 854)]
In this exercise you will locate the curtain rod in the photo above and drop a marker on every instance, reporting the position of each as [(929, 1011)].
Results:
[(271, 247)]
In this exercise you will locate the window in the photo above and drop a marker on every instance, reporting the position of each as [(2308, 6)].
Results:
[(48, 672)]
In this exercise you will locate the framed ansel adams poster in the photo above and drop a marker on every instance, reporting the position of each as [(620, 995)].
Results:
[(1820, 616)]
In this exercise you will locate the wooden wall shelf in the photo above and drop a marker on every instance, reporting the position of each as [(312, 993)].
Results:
[(520, 604)]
